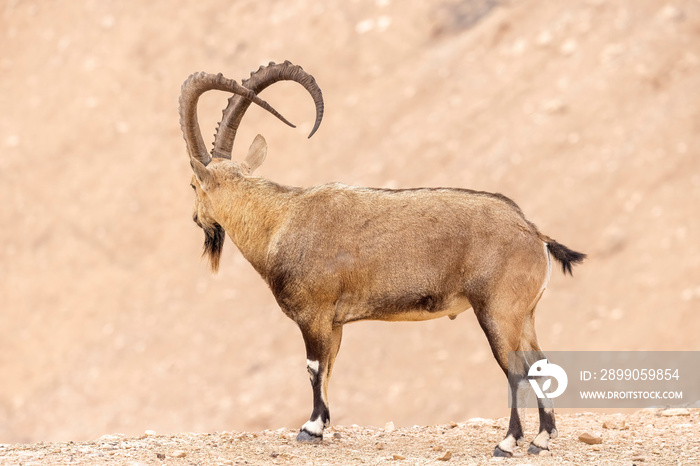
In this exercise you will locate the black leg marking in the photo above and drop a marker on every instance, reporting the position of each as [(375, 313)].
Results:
[(514, 436), (548, 429), (320, 351), (312, 430)]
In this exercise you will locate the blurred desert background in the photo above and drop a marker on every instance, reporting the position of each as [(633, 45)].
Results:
[(586, 113)]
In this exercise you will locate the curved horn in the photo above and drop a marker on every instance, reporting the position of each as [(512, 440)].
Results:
[(195, 86), (259, 80)]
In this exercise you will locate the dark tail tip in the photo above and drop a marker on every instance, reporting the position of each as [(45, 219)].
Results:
[(565, 256)]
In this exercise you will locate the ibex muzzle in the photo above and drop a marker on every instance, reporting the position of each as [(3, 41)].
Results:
[(335, 254)]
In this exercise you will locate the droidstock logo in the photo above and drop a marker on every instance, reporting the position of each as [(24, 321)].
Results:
[(542, 369)]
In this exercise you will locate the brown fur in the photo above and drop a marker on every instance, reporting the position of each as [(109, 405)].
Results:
[(335, 254)]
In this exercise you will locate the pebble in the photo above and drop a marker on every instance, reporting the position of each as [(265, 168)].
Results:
[(675, 412), (447, 456), (178, 454), (638, 459), (398, 457), (389, 427), (590, 439), (615, 425), (150, 433)]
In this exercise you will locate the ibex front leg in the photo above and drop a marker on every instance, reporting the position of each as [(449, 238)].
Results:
[(322, 344)]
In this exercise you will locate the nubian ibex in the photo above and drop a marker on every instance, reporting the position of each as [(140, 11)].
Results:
[(335, 254)]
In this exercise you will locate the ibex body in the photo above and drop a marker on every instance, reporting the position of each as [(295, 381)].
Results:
[(336, 254)]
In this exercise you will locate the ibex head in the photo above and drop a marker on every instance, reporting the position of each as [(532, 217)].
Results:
[(212, 172), (207, 182)]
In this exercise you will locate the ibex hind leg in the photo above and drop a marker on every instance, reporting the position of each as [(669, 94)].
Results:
[(547, 429), (503, 335), (322, 345), (528, 352), (545, 407)]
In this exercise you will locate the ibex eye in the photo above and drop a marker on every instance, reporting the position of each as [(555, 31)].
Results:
[(194, 188)]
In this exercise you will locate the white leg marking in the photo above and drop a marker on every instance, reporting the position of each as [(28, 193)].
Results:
[(542, 440), (507, 444), (312, 365), (314, 427)]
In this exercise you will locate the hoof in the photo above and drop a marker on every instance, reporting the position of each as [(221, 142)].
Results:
[(535, 450), (307, 437), (501, 453)]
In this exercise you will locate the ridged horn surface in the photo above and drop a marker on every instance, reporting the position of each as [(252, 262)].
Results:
[(196, 85), (259, 80)]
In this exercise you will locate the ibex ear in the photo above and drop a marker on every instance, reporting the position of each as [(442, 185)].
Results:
[(203, 175), (256, 154)]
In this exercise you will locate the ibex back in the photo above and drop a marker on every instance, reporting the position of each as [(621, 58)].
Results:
[(335, 254)]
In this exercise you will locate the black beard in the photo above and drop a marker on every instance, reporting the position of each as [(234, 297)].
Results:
[(213, 245)]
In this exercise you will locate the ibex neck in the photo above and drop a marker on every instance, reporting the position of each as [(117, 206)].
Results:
[(254, 213)]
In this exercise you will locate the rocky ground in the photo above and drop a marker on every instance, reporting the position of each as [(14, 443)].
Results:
[(650, 436)]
